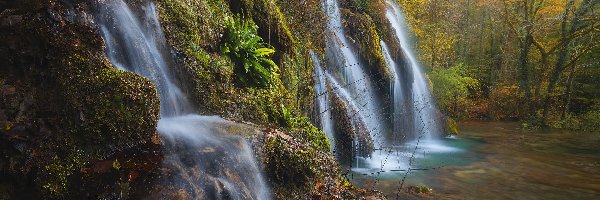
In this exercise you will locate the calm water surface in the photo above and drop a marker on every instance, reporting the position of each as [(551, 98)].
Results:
[(493, 160)]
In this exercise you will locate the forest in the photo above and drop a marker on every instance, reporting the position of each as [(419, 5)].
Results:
[(299, 99), (534, 61)]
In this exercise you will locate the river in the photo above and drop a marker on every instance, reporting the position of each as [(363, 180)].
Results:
[(495, 160)]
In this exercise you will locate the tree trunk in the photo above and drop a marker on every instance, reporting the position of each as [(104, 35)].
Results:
[(569, 94), (560, 63), (525, 48)]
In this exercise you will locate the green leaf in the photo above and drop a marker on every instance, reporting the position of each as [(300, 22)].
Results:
[(263, 52)]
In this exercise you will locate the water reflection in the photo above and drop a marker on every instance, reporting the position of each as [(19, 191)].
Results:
[(499, 161)]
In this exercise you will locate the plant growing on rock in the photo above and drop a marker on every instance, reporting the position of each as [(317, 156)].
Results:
[(249, 53)]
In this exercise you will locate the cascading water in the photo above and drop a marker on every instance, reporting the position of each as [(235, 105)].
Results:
[(200, 160), (425, 112), (361, 143), (323, 100), (397, 92), (354, 81), (413, 106), (136, 46)]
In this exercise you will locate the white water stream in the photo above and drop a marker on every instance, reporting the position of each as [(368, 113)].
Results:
[(350, 82), (202, 161)]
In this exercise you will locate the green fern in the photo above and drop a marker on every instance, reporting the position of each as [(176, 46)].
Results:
[(253, 65)]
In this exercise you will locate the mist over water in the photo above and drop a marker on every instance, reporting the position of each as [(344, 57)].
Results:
[(200, 158)]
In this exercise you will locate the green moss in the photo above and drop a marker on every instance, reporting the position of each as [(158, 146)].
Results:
[(105, 111), (271, 22), (82, 110), (193, 24), (376, 9), (288, 163), (307, 19), (296, 76), (110, 106), (60, 170), (295, 168), (363, 34), (302, 128)]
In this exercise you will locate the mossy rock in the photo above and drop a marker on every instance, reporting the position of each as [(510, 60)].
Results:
[(307, 19), (362, 33), (299, 171), (79, 110), (302, 128), (209, 74), (291, 56), (348, 130), (271, 22), (193, 24), (376, 9)]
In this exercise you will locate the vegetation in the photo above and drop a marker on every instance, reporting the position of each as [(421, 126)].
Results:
[(72, 126), (297, 148), (245, 47), (362, 32), (529, 57), (451, 88), (66, 109)]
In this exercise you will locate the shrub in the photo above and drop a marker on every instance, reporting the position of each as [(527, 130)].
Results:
[(249, 53), (591, 121), (570, 121), (451, 87)]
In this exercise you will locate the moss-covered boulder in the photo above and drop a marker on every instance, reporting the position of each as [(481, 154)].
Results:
[(76, 115), (299, 171), (352, 136)]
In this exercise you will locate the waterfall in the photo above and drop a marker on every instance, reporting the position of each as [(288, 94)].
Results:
[(413, 110), (425, 112), (200, 160), (323, 100), (398, 101), (137, 46), (353, 79)]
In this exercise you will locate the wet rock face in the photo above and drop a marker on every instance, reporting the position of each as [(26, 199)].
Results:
[(186, 174), (352, 136), (297, 170), (64, 110), (362, 33)]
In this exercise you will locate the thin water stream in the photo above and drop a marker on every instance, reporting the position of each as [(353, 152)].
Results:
[(201, 161)]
